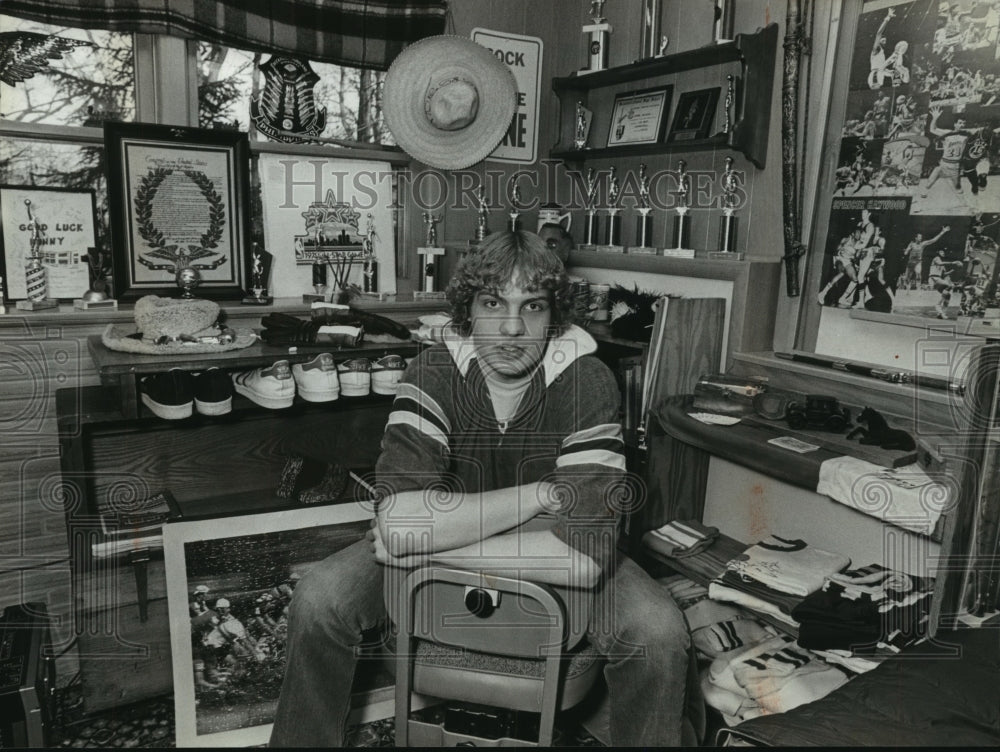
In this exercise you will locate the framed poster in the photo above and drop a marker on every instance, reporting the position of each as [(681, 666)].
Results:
[(239, 573), (694, 115), (63, 224), (639, 117), (178, 199)]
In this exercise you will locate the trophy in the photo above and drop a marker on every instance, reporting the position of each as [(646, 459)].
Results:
[(428, 254), (649, 44), (482, 229), (613, 228), (598, 29), (681, 234), (590, 225), (319, 284), (34, 273), (514, 215), (725, 14), (644, 224), (728, 104), (581, 127), (96, 296), (728, 228), (260, 270)]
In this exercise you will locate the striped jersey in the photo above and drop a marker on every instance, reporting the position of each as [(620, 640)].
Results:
[(442, 433)]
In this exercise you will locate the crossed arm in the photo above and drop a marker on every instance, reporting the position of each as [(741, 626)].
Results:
[(487, 531)]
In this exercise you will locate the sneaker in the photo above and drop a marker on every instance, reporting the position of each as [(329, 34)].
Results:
[(355, 377), (213, 392), (386, 373), (272, 387), (316, 381), (169, 395)]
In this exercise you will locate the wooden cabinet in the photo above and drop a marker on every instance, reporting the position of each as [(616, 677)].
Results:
[(114, 453), (750, 58)]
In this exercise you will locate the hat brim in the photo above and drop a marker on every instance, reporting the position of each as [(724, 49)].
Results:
[(122, 339), (405, 88)]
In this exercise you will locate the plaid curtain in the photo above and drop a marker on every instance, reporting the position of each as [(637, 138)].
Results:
[(361, 33)]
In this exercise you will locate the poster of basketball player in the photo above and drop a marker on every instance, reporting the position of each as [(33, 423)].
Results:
[(863, 252), (889, 36), (857, 166)]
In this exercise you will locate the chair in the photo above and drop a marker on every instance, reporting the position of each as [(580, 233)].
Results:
[(487, 640)]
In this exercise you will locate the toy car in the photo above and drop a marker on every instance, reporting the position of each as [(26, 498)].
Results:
[(819, 411)]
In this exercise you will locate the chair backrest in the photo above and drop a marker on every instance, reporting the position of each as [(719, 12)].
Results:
[(484, 612)]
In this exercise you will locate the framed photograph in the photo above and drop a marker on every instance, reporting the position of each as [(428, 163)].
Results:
[(694, 115), (239, 574), (639, 117), (63, 223), (178, 198)]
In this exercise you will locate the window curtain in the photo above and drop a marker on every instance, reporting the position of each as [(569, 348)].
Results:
[(360, 33)]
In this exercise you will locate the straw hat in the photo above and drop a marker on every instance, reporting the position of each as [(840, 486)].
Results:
[(448, 101), (175, 326)]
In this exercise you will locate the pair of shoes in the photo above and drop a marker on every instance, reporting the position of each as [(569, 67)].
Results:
[(175, 395), (360, 376), (316, 381), (272, 387)]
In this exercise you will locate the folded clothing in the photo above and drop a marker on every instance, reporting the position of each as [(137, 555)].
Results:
[(733, 588), (788, 565), (681, 538)]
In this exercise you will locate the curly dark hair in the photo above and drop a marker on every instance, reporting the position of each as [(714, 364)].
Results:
[(502, 257)]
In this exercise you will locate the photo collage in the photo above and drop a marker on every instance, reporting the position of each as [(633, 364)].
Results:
[(915, 215)]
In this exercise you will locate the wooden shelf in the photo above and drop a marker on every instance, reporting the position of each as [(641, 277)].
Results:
[(702, 57), (719, 141), (750, 126)]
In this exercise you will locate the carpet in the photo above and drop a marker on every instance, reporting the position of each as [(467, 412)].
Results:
[(150, 725)]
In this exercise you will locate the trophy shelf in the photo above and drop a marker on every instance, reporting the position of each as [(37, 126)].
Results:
[(749, 133)]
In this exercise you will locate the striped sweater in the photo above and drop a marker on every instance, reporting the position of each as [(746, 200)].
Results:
[(442, 433)]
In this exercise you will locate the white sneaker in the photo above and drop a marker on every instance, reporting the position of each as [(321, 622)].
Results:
[(316, 381), (386, 373), (355, 377), (272, 387)]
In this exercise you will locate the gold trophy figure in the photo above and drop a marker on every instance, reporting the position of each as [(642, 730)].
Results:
[(482, 228), (681, 234), (598, 30), (727, 231), (613, 229), (429, 254), (590, 224), (644, 224), (514, 215)]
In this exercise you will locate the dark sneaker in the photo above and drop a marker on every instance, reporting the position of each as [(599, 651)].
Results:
[(168, 395), (386, 373), (271, 387), (355, 377), (213, 392)]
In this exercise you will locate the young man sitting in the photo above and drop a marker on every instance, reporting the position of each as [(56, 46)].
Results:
[(510, 420)]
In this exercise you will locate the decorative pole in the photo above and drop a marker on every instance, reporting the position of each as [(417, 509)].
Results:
[(794, 248)]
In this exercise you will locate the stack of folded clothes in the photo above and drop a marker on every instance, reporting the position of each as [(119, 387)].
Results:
[(866, 611), (771, 676), (771, 576), (333, 324)]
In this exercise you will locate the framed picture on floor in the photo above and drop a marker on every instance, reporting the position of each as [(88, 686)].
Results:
[(229, 583)]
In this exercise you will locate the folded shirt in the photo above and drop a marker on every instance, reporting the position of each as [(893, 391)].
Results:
[(681, 538), (788, 565)]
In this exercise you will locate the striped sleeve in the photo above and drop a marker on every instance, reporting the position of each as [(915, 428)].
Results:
[(596, 445), (415, 445), (591, 462)]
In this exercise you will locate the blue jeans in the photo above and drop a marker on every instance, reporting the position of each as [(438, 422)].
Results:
[(642, 634)]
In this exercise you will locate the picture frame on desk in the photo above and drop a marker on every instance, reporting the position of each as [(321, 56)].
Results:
[(67, 221), (694, 115), (178, 198), (640, 116), (240, 558)]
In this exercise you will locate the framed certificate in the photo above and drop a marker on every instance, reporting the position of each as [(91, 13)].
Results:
[(178, 198), (640, 117)]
